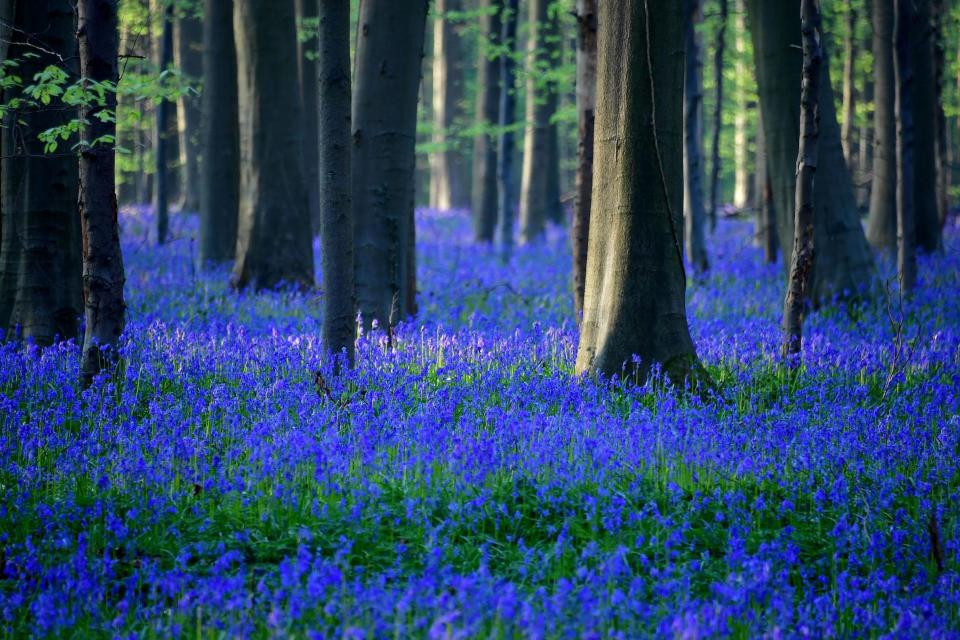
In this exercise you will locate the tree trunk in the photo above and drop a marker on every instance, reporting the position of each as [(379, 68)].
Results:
[(849, 108), (801, 260), (717, 115), (161, 191), (449, 180), (906, 20), (188, 34), (634, 310), (389, 51), (926, 215), (488, 113), (103, 274), (507, 113), (536, 204), (766, 221), (274, 235), (940, 119), (693, 208), (741, 182), (307, 68), (882, 221), (339, 329), (220, 136), (40, 277), (844, 264), (865, 161), (587, 12)]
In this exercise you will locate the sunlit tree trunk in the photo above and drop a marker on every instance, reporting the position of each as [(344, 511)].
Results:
[(848, 129), (741, 182), (693, 208), (449, 179), (587, 15), (484, 192)]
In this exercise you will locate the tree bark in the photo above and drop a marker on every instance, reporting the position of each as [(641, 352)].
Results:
[(484, 193), (40, 278), (741, 182), (587, 13), (161, 191), (940, 16), (693, 207), (634, 310), (882, 221), (307, 68), (801, 260), (389, 51), (766, 220), (926, 214), (449, 179), (274, 235), (539, 160), (103, 275), (906, 20), (849, 107), (507, 113), (844, 263), (220, 136), (865, 161), (188, 36), (717, 115), (339, 328)]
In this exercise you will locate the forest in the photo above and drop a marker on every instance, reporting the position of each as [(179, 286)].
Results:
[(479, 319)]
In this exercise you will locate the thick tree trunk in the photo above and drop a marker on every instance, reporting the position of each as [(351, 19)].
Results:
[(940, 120), (161, 191), (505, 144), (103, 274), (634, 311), (717, 115), (765, 216), (449, 177), (537, 204), (693, 208), (906, 20), (40, 252), (188, 36), (389, 51), (274, 235), (587, 13), (741, 182), (220, 136), (844, 263), (801, 260), (865, 161), (848, 129), (484, 193), (307, 68), (882, 222), (926, 214), (339, 329)]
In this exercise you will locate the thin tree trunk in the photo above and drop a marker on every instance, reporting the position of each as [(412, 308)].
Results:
[(882, 221), (926, 215), (484, 193), (389, 51), (801, 260), (339, 329), (307, 68), (905, 21), (188, 36), (940, 119), (693, 207), (220, 136), (717, 115), (766, 221), (449, 180), (505, 144), (849, 89), (103, 275), (587, 12), (161, 192), (865, 161), (274, 234), (741, 182), (634, 309)]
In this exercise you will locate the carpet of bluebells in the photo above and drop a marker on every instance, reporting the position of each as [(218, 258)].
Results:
[(464, 483)]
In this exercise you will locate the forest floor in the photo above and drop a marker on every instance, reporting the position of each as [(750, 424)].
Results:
[(466, 483)]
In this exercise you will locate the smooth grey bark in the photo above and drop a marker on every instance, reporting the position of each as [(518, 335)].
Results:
[(389, 52), (40, 277), (103, 275), (844, 265), (507, 114), (882, 221), (906, 20), (849, 108), (741, 186), (484, 192), (693, 205), (161, 190), (188, 53), (339, 328), (802, 256), (926, 214), (634, 309), (587, 15), (449, 171), (538, 202), (307, 68), (717, 115), (220, 137), (274, 239)]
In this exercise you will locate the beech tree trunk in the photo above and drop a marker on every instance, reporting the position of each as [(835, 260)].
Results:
[(741, 183), (634, 308), (587, 13), (865, 161), (717, 115), (844, 265), (161, 187), (693, 208), (926, 214), (882, 221), (188, 49), (848, 129), (801, 260), (484, 193), (766, 220), (449, 179), (389, 50), (339, 329), (906, 20), (940, 119), (103, 275), (274, 239), (220, 136), (40, 277), (307, 68), (505, 144)]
